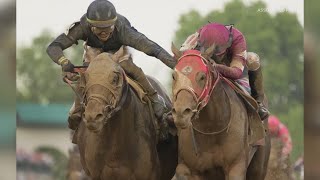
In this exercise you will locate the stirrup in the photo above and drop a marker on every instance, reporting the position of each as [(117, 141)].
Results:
[(263, 112)]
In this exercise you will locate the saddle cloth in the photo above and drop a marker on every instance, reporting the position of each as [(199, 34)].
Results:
[(137, 88)]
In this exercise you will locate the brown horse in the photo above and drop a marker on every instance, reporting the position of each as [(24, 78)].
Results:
[(117, 138), (278, 169), (212, 124)]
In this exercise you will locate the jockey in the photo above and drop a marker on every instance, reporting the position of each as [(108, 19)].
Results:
[(233, 60), (280, 131), (104, 30)]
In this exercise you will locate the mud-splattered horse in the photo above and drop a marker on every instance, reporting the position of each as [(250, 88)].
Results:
[(212, 124)]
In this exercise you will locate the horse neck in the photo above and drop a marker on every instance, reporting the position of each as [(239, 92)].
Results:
[(120, 128), (217, 113)]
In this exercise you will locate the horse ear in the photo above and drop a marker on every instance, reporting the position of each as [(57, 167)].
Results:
[(119, 53), (175, 51), (209, 51)]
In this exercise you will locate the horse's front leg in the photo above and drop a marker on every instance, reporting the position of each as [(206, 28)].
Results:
[(184, 173), (121, 173), (237, 170)]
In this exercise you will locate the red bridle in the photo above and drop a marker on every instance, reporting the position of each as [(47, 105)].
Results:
[(189, 64)]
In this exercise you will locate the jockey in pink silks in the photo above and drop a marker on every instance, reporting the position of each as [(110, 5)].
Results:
[(233, 60)]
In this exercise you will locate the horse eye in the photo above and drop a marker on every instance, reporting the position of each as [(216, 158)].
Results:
[(174, 76), (115, 79), (200, 78), (203, 76)]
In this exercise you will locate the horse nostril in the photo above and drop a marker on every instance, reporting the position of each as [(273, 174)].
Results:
[(187, 111), (173, 111), (99, 116)]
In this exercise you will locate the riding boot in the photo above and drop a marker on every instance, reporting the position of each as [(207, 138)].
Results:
[(257, 91)]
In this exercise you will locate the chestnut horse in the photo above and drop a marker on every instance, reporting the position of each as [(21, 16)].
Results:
[(212, 123), (117, 138)]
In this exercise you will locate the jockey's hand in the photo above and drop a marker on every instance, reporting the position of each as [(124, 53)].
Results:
[(67, 66), (71, 76)]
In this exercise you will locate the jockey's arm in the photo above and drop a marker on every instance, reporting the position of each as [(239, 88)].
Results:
[(236, 66), (238, 51), (229, 72), (64, 41), (131, 37)]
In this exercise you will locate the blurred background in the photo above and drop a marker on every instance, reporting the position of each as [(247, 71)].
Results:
[(273, 29), (7, 88)]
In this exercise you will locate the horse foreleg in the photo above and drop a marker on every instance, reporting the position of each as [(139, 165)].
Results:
[(121, 173), (258, 166), (184, 173), (237, 170)]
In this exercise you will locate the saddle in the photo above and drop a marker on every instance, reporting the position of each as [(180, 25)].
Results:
[(256, 129)]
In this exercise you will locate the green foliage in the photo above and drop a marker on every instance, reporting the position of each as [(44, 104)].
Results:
[(311, 13), (278, 39), (59, 169), (39, 79)]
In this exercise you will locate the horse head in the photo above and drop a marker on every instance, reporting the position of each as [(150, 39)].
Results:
[(194, 78), (105, 89)]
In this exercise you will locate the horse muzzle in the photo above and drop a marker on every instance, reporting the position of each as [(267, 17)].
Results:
[(94, 122), (182, 117)]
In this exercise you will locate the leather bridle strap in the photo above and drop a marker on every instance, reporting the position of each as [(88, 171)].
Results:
[(124, 95), (116, 107), (196, 115), (74, 90)]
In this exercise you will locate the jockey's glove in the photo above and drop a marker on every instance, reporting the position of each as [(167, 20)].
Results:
[(66, 65), (70, 76)]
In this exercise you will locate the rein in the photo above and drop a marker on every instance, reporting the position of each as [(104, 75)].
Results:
[(209, 95), (214, 132), (74, 90), (78, 70), (202, 102), (124, 95)]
